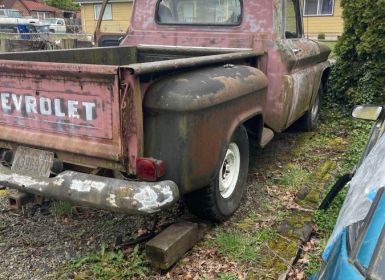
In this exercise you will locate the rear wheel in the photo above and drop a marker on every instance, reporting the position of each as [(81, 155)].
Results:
[(218, 201), (309, 121)]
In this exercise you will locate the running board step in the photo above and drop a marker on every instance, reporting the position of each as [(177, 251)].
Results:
[(267, 136)]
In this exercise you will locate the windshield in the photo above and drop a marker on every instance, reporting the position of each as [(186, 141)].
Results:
[(199, 12)]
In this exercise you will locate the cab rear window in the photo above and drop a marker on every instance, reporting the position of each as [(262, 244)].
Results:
[(199, 12)]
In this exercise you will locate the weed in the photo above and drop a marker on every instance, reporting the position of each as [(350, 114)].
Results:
[(241, 246), (227, 276), (62, 208), (77, 234), (293, 176), (222, 276), (109, 265)]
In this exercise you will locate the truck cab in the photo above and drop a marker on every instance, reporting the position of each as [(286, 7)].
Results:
[(297, 67)]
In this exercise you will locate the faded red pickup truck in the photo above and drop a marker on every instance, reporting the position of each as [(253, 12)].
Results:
[(168, 113)]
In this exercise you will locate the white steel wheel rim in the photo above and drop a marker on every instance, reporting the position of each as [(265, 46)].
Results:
[(229, 172), (315, 108)]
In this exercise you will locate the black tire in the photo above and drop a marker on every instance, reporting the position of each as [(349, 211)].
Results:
[(309, 121), (217, 205)]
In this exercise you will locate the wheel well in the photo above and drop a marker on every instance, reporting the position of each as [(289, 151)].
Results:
[(254, 127), (324, 79)]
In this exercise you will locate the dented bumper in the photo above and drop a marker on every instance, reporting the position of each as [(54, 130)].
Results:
[(130, 197)]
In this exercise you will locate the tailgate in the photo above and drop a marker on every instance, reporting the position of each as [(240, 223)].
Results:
[(72, 108)]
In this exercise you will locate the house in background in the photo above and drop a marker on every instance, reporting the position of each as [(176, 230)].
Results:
[(323, 17), (32, 8), (116, 18)]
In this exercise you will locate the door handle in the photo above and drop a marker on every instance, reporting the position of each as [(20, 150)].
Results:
[(297, 51)]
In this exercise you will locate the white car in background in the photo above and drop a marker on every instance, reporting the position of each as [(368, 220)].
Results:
[(56, 25), (13, 16)]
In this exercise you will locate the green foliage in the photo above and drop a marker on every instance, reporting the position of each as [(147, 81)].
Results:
[(110, 265), (325, 220), (321, 36), (223, 276), (241, 246), (293, 176), (67, 5), (62, 209), (227, 276), (358, 75)]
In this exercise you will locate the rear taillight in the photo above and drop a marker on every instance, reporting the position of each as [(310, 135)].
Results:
[(149, 169)]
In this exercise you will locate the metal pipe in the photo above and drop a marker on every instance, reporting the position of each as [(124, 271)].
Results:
[(129, 197), (174, 64)]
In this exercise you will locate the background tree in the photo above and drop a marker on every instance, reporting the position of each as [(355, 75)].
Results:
[(67, 5), (359, 75)]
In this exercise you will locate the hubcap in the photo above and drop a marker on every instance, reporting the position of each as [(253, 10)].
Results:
[(228, 175)]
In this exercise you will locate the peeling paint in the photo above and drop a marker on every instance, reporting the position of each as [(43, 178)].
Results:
[(112, 200), (58, 181), (97, 191), (22, 180), (149, 198), (87, 185)]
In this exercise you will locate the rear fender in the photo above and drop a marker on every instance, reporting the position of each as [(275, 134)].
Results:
[(322, 75), (190, 118)]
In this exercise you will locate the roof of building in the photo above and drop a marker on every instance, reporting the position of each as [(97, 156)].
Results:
[(7, 4), (36, 6)]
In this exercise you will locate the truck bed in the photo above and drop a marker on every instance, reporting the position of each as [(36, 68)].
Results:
[(70, 101)]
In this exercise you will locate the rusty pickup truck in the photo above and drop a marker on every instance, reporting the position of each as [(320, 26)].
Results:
[(168, 113)]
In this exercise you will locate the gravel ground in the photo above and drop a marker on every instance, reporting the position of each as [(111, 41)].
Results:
[(34, 243)]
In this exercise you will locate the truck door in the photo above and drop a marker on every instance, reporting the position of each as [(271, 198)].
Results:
[(303, 53)]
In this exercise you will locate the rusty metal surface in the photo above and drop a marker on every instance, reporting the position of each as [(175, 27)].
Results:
[(95, 56), (190, 118), (64, 107), (130, 197), (262, 30), (175, 64)]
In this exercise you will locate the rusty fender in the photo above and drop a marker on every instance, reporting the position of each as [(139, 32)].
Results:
[(129, 197), (189, 119)]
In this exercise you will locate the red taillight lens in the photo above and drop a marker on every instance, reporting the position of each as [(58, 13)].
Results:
[(149, 169)]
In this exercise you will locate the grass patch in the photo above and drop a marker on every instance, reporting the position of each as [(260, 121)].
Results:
[(325, 220), (293, 176), (62, 209), (106, 265), (241, 246), (223, 276)]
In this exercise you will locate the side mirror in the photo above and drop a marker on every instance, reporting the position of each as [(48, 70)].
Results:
[(367, 112)]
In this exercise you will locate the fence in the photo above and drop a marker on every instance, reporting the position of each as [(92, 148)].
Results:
[(11, 42)]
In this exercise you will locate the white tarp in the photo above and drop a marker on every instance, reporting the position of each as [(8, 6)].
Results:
[(370, 177)]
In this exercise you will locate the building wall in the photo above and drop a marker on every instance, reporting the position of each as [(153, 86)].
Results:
[(331, 26), (121, 16)]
